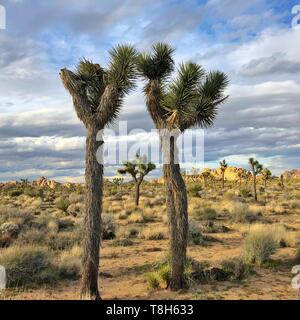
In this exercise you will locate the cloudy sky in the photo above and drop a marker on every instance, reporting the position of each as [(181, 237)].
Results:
[(252, 41)]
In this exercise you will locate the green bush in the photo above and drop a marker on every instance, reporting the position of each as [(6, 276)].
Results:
[(28, 266), (245, 193), (63, 204), (124, 242), (206, 213), (258, 247), (193, 191), (298, 253), (238, 269)]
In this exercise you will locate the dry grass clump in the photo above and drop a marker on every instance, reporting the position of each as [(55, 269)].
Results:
[(205, 213), (154, 234), (279, 233), (258, 247), (241, 213), (69, 263)]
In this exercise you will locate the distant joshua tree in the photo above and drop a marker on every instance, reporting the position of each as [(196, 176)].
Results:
[(256, 168), (192, 99), (138, 169), (97, 95), (223, 167), (118, 181), (267, 174), (206, 175)]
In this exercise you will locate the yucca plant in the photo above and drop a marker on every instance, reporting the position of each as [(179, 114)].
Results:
[(139, 168), (267, 174), (191, 99), (223, 167), (97, 97), (256, 168)]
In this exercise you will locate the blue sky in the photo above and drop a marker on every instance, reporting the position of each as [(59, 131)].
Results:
[(252, 41)]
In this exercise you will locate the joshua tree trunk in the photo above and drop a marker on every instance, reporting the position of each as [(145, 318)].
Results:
[(223, 180), (254, 187), (137, 193), (177, 208), (92, 220)]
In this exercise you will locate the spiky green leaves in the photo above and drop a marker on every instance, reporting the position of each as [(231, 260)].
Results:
[(122, 68), (190, 99), (159, 64), (223, 165), (193, 98), (98, 93), (256, 167)]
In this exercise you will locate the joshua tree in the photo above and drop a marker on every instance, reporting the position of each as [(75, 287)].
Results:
[(138, 169), (189, 100), (256, 168), (267, 174), (118, 182), (206, 175), (282, 181), (223, 167), (97, 97)]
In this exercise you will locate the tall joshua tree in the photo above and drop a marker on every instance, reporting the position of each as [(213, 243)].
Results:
[(97, 97), (256, 168), (223, 167), (138, 169), (267, 174), (189, 100)]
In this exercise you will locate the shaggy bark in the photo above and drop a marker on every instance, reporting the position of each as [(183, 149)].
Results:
[(92, 220), (177, 209), (137, 193), (254, 187)]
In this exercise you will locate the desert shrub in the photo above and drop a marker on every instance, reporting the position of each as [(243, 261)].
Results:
[(245, 192), (32, 237), (62, 204), (124, 242), (138, 217), (161, 275), (279, 233), (108, 227), (153, 281), (207, 213), (62, 240), (10, 229), (194, 190), (65, 224), (34, 192), (76, 198), (210, 227), (238, 269), (14, 215), (258, 247), (132, 233), (69, 264), (28, 266), (154, 234), (15, 193), (240, 213), (195, 235), (75, 209)]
